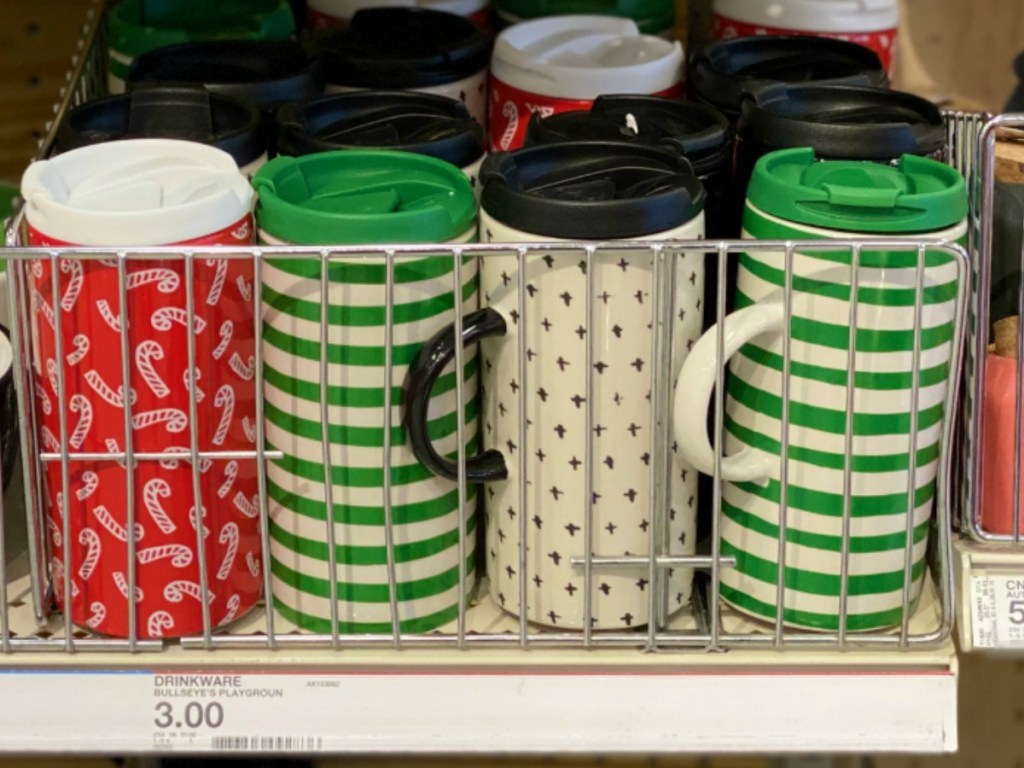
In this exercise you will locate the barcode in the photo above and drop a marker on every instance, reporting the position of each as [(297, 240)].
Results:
[(269, 743)]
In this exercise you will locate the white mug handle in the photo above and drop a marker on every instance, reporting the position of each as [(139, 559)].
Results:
[(697, 382)]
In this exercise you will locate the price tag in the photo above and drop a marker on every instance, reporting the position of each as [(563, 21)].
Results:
[(997, 611)]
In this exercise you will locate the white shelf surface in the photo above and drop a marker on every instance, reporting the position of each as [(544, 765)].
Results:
[(483, 700)]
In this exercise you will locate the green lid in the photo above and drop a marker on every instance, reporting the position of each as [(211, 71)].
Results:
[(137, 26), (350, 197), (651, 16), (917, 195)]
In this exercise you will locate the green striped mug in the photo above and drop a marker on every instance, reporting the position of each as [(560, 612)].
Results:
[(362, 197), (794, 197)]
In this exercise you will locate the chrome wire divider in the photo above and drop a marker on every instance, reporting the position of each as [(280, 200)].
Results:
[(712, 627)]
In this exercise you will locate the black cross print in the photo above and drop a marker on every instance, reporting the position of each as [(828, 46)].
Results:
[(594, 497), (561, 362), (549, 260), (554, 617), (489, 427), (505, 279), (679, 598), (572, 528), (689, 344), (577, 400), (531, 289), (571, 588), (472, 181), (511, 513), (514, 314), (501, 535), (646, 459), (462, 96), (510, 571), (542, 394), (566, 297), (515, 387), (631, 494), (693, 278), (683, 473), (682, 315), (633, 429), (689, 502), (583, 266), (623, 263), (540, 455), (561, 431), (617, 330), (575, 463), (682, 537), (604, 296), (639, 365), (675, 449), (581, 332), (490, 235), (627, 619), (537, 521), (487, 362), (600, 366), (502, 409), (556, 491), (611, 528), (642, 584), (639, 295), (610, 462), (671, 513), (530, 354), (599, 429), (556, 557), (480, 88), (546, 323), (501, 597), (644, 525), (511, 445), (538, 580), (490, 492), (493, 554), (618, 399), (487, 298), (605, 588)]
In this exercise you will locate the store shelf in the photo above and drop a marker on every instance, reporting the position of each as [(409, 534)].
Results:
[(989, 579)]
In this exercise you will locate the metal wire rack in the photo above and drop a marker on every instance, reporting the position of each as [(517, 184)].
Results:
[(29, 621)]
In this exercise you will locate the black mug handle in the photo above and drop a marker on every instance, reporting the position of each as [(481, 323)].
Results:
[(435, 355)]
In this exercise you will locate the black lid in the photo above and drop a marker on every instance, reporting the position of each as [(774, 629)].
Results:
[(724, 70), (268, 73), (840, 121), (188, 112), (408, 120), (404, 48), (591, 190), (698, 131)]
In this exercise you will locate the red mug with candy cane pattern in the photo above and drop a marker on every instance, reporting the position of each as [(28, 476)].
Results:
[(127, 194), (871, 23), (562, 63)]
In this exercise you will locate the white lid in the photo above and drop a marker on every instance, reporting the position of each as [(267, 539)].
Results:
[(346, 9), (135, 192), (582, 57), (6, 354), (814, 15)]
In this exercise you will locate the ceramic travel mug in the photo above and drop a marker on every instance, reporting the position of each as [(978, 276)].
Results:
[(563, 63), (137, 26), (184, 112), (405, 120), (793, 197), (652, 17), (324, 14), (595, 191), (410, 49), (125, 194), (362, 197), (872, 24), (722, 72)]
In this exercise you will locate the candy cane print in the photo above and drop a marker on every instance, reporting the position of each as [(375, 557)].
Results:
[(99, 614), (192, 519), (174, 419), (159, 622), (243, 232), (79, 404), (108, 315), (37, 268), (165, 317), (154, 490), (57, 571), (179, 555), (166, 280), (91, 540), (512, 114), (234, 602), (122, 585), (81, 345), (113, 527), (225, 398), (173, 463), (245, 506), (244, 288), (226, 330), (244, 371), (176, 591), (145, 354), (39, 305), (44, 399), (105, 391), (50, 443), (253, 563), (230, 474), (188, 384), (228, 536), (111, 444), (55, 532), (90, 482), (213, 297), (51, 374), (249, 428), (74, 268)]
